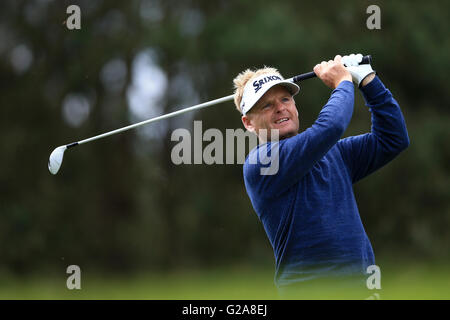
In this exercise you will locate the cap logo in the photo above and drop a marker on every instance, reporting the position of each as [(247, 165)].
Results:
[(258, 84)]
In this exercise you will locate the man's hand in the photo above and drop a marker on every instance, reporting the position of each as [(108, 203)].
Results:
[(361, 74), (332, 72)]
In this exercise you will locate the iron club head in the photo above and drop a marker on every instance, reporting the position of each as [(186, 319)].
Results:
[(56, 158)]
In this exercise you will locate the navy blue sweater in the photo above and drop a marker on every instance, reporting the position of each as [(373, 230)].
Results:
[(308, 208)]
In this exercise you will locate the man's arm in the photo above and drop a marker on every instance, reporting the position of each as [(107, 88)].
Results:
[(298, 154), (388, 137)]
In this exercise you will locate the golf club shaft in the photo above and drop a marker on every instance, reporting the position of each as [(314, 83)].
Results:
[(298, 78), (165, 116)]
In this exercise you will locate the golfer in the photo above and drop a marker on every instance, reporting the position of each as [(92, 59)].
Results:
[(308, 208)]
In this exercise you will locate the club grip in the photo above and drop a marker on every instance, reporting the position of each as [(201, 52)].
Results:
[(365, 60), (304, 76)]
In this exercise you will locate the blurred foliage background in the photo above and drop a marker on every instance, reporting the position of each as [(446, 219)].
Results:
[(120, 206)]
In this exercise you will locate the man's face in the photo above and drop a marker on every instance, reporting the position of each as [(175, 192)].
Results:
[(275, 110)]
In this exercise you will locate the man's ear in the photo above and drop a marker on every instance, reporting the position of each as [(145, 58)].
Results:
[(247, 123)]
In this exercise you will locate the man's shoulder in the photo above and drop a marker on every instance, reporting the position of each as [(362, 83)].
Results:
[(263, 160), (253, 157), (252, 163)]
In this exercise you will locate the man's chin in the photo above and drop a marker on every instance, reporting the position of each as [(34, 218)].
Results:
[(288, 134), (283, 134), (287, 131)]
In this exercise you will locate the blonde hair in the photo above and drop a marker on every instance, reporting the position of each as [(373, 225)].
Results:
[(245, 76)]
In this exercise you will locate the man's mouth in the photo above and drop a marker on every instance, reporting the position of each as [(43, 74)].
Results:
[(281, 120)]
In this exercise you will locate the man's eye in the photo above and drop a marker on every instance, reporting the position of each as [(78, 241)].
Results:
[(286, 99), (266, 106)]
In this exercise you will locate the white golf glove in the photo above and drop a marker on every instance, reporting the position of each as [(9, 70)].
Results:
[(358, 72)]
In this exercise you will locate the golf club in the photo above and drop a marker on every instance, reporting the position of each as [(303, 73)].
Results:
[(56, 157)]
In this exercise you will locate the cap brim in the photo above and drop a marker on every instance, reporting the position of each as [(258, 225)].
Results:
[(292, 87)]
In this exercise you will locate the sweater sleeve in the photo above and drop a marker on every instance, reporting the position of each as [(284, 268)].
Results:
[(298, 154), (366, 153)]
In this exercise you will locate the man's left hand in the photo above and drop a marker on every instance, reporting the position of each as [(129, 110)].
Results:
[(362, 74)]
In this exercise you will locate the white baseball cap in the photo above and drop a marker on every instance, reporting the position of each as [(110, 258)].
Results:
[(255, 89)]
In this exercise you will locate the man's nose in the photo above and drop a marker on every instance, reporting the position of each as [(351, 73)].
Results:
[(279, 106)]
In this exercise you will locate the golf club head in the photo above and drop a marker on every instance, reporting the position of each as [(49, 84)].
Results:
[(55, 160)]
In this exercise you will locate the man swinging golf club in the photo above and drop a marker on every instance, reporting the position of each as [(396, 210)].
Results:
[(308, 208)]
